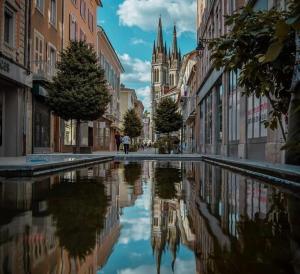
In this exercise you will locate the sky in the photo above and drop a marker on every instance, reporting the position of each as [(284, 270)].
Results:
[(131, 26)]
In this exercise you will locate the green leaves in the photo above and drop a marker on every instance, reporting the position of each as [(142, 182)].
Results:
[(78, 91), (132, 124), (167, 118)]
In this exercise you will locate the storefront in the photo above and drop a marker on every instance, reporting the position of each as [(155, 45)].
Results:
[(15, 109)]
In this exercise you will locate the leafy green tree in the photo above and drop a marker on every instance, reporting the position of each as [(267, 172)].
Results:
[(132, 124), (165, 179), (79, 89), (78, 209), (132, 172), (167, 118)]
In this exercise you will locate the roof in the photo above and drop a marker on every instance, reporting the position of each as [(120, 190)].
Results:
[(102, 31)]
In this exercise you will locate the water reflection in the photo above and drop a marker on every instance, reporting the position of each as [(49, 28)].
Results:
[(150, 217)]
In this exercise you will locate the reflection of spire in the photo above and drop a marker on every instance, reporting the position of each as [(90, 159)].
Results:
[(159, 40)]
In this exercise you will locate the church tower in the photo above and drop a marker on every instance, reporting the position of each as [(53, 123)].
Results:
[(160, 67), (165, 67), (174, 61)]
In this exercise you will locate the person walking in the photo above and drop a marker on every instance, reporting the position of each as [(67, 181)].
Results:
[(118, 140), (126, 142)]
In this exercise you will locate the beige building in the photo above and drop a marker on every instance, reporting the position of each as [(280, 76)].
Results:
[(229, 123), (46, 31), (106, 127), (127, 100), (15, 79)]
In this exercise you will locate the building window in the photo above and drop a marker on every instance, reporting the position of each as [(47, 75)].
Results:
[(41, 126), (73, 28), (38, 52), (52, 60), (90, 21), (74, 2), (53, 12), (234, 107), (83, 9), (257, 113), (220, 111), (70, 133), (8, 27), (82, 35), (208, 119), (40, 5)]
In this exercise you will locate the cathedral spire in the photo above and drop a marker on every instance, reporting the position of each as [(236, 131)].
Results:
[(159, 40), (174, 45), (153, 47)]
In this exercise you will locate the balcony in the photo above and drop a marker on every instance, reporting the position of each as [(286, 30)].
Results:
[(43, 70)]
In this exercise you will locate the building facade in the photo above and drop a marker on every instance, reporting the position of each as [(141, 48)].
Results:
[(46, 30), (106, 127), (128, 100), (15, 79), (79, 24), (230, 124)]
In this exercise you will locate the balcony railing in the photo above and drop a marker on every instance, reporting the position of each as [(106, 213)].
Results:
[(43, 70)]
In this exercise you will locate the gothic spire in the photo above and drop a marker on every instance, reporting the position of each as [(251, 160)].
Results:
[(153, 47), (159, 40), (174, 45)]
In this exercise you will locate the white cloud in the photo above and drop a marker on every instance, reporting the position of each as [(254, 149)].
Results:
[(137, 41), (144, 94), (136, 70), (144, 14)]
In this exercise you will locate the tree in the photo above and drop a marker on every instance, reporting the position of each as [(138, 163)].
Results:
[(78, 208), (79, 90), (167, 118), (132, 172), (132, 124)]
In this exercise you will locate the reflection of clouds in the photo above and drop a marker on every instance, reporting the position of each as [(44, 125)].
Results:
[(135, 230), (181, 267)]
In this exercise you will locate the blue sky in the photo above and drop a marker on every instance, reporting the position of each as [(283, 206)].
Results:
[(131, 27)]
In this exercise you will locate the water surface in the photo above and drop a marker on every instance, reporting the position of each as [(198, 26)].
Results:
[(148, 217)]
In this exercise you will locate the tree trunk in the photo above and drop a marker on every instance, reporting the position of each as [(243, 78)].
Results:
[(78, 136), (292, 155)]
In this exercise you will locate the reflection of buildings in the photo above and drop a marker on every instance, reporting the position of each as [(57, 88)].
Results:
[(170, 226), (28, 240), (219, 204)]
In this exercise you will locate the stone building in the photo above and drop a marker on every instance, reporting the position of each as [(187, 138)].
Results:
[(230, 124), (107, 126), (15, 78), (165, 68), (46, 41)]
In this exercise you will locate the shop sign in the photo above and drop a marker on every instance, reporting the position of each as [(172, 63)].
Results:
[(15, 72), (4, 65)]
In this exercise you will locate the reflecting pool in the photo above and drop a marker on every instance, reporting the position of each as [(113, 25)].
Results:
[(148, 217)]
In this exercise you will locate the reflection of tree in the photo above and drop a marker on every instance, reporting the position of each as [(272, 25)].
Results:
[(165, 180), (262, 246), (132, 172), (78, 208)]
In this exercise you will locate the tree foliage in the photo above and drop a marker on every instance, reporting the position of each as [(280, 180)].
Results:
[(132, 124), (265, 66), (78, 208), (165, 179), (167, 118), (78, 91), (132, 172)]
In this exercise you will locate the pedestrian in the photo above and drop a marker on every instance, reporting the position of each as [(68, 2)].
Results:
[(118, 140), (126, 142)]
